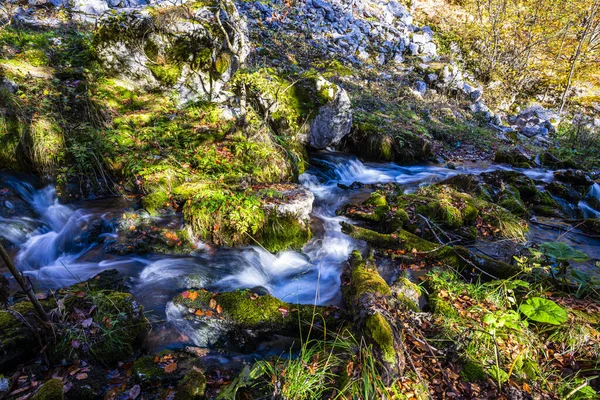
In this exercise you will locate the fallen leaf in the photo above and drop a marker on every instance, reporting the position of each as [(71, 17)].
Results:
[(212, 303), (219, 309), (185, 294), (81, 376), (170, 368), (86, 323), (199, 313), (193, 296)]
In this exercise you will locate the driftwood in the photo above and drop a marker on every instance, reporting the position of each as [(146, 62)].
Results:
[(374, 307), (25, 285)]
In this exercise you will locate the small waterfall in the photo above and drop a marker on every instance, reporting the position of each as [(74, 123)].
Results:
[(594, 192), (590, 205)]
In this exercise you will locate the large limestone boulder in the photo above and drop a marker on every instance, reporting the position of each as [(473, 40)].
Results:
[(334, 118), (190, 49)]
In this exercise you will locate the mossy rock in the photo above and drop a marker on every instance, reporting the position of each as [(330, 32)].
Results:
[(513, 157), (155, 202), (511, 200), (380, 139), (399, 219), (245, 310), (192, 386), (564, 192), (119, 320), (147, 372), (445, 213), (284, 232), (51, 390), (16, 340), (376, 199)]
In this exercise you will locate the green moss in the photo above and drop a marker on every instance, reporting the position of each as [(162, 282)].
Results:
[(284, 232), (192, 386), (167, 74), (51, 390), (223, 63), (400, 219), (380, 331), (514, 205), (376, 199), (444, 212), (225, 217), (253, 312), (473, 372), (512, 157), (147, 372), (154, 202), (407, 293)]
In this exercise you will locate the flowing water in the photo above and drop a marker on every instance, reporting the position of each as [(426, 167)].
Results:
[(50, 248)]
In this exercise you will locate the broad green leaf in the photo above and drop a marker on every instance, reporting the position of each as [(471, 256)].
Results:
[(563, 252), (498, 374), (543, 310)]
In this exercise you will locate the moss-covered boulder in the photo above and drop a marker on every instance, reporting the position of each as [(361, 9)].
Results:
[(51, 390), (411, 245), (381, 139), (277, 216), (192, 386), (16, 339), (574, 177), (513, 156), (239, 318), (441, 206), (184, 48), (563, 191), (97, 323), (147, 372)]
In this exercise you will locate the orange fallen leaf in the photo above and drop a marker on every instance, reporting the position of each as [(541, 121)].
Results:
[(199, 313), (193, 296), (219, 309), (212, 303), (170, 368)]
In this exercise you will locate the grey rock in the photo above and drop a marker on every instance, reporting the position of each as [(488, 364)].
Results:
[(333, 120), (413, 48), (420, 87), (429, 49), (8, 85), (4, 386)]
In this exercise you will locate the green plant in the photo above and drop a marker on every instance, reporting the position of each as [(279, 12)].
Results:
[(543, 310)]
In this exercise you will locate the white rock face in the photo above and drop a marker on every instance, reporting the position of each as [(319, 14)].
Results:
[(136, 55), (334, 119), (299, 205)]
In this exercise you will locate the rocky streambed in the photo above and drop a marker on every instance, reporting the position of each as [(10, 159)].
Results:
[(188, 289)]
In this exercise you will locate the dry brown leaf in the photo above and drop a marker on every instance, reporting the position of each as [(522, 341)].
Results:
[(170, 368)]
